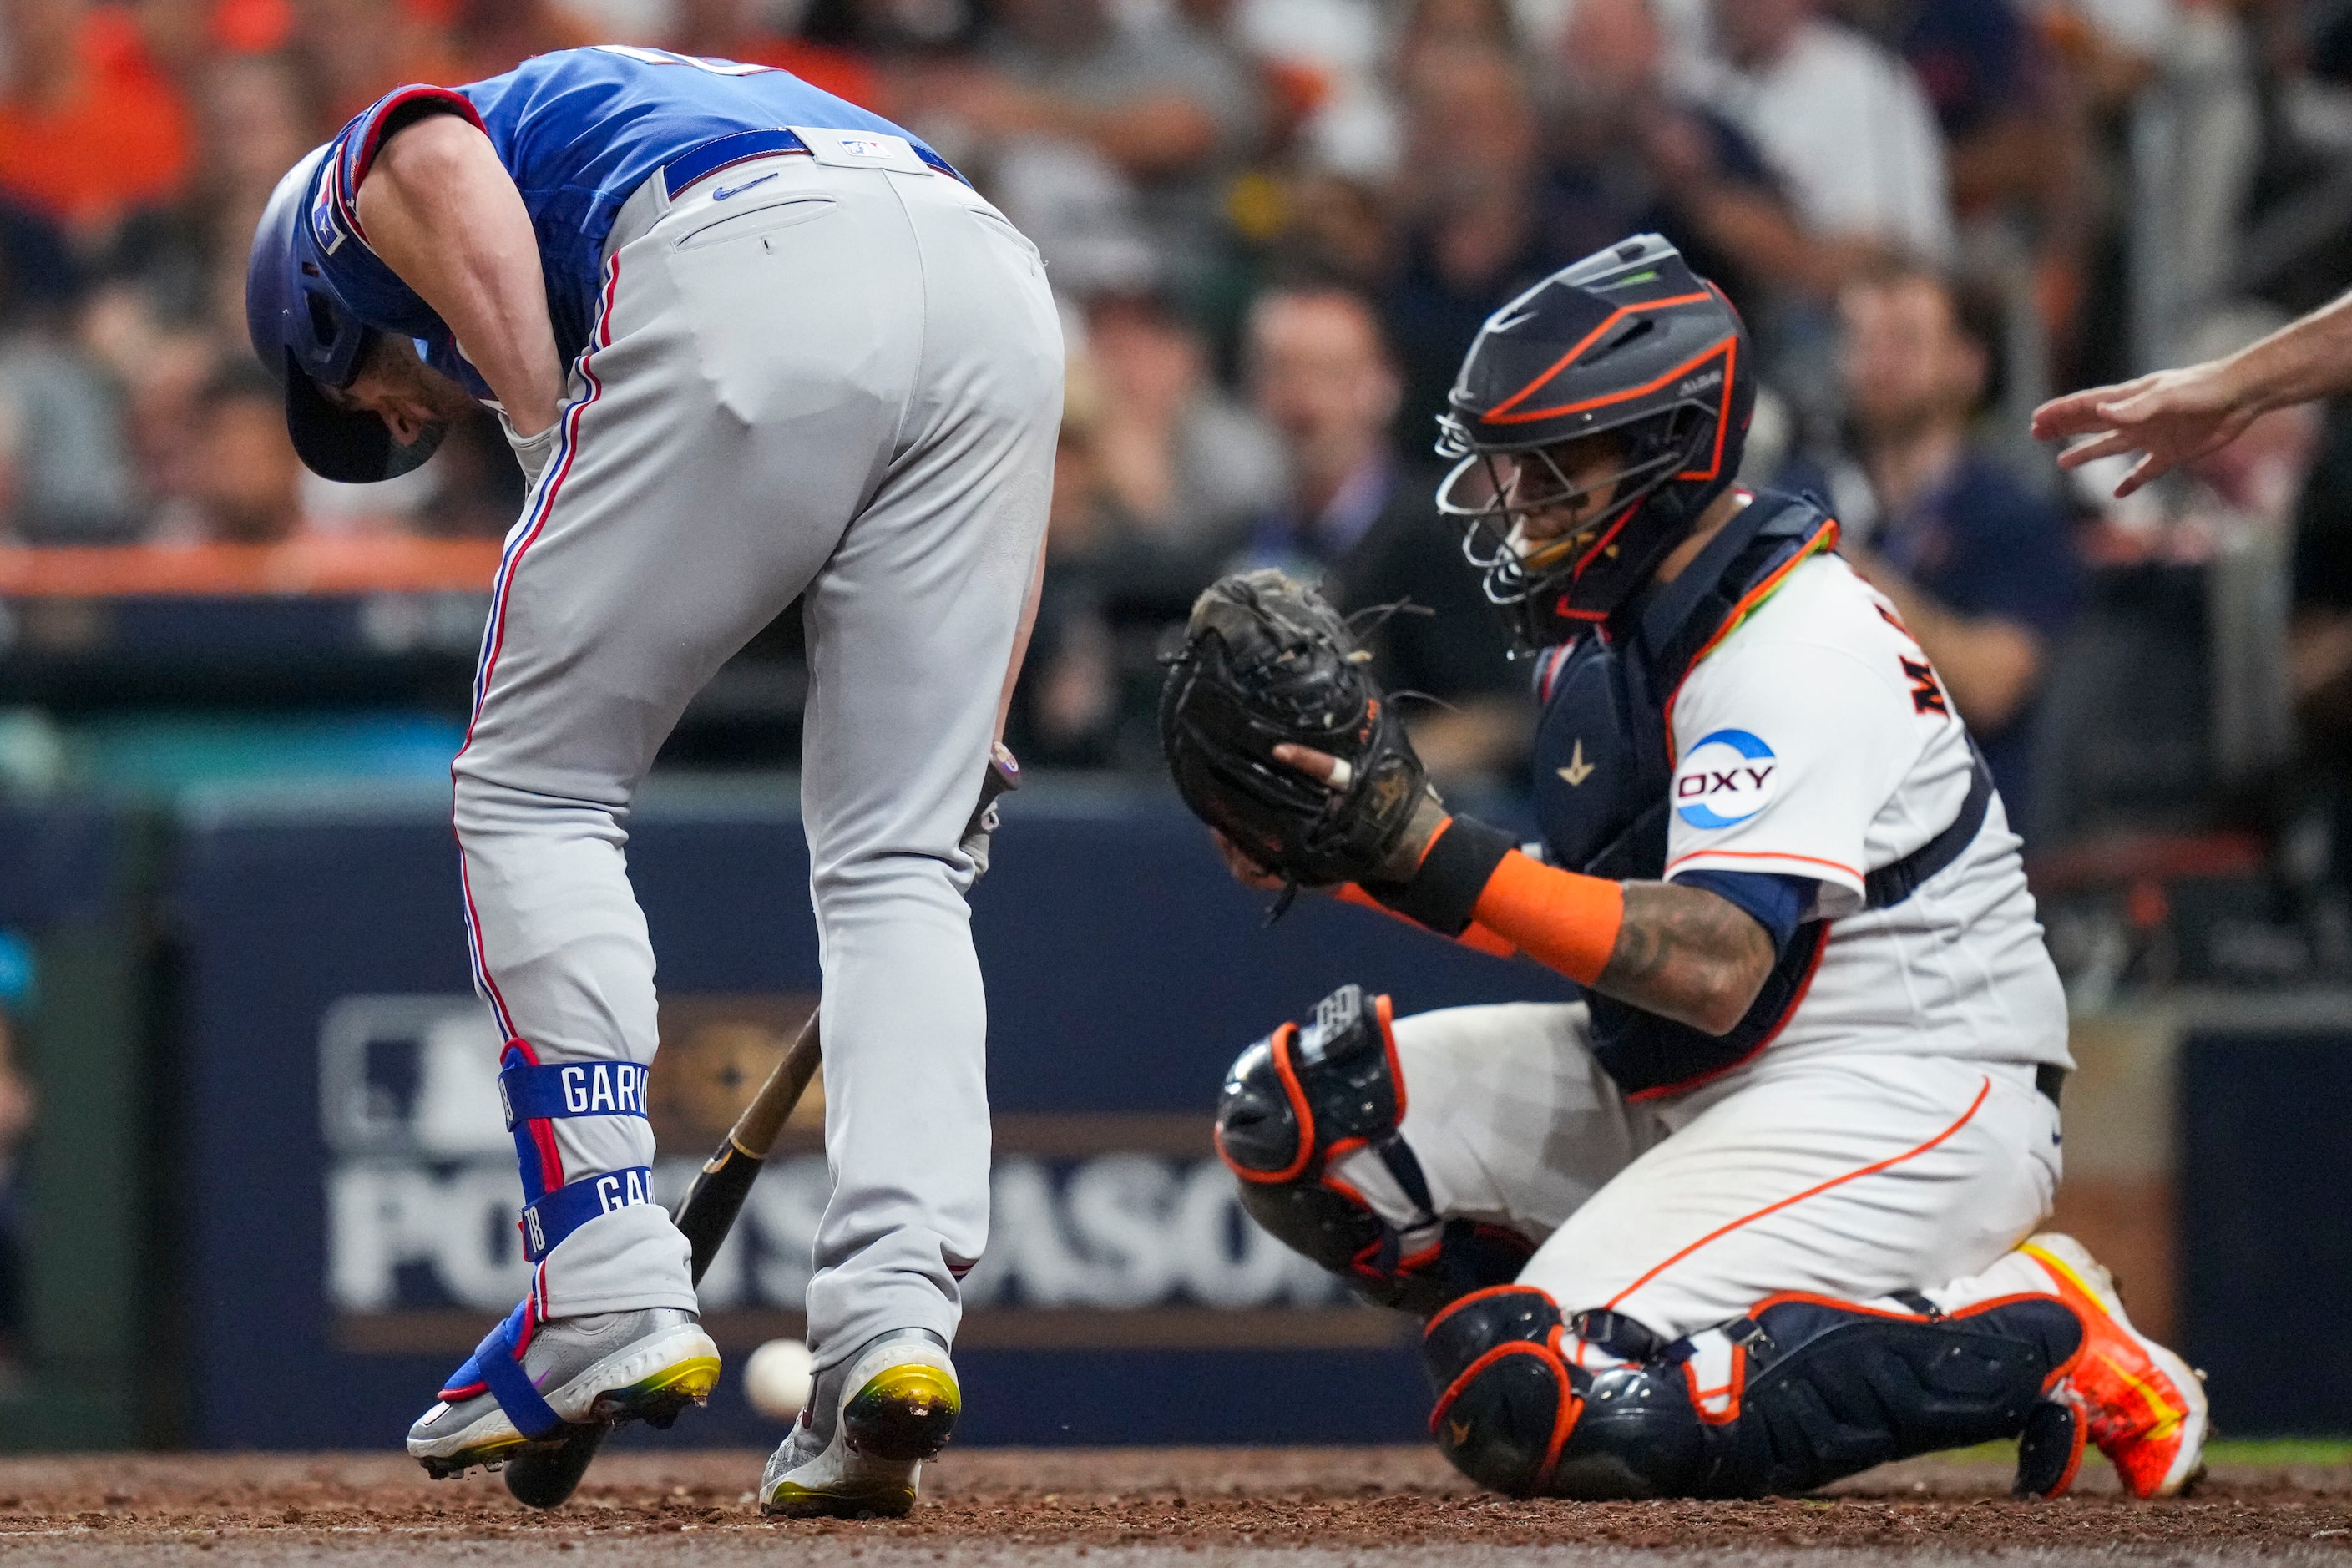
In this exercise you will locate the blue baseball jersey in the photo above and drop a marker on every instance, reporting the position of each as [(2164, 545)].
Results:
[(579, 129)]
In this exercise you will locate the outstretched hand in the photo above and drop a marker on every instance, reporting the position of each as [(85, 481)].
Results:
[(2170, 417)]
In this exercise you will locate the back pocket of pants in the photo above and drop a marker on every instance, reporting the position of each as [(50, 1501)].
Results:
[(757, 223)]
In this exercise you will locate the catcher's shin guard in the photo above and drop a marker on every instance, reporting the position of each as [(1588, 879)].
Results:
[(1806, 1389), (1801, 1392), (1297, 1106)]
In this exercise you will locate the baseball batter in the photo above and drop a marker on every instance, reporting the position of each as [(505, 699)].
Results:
[(1755, 1214), (749, 343)]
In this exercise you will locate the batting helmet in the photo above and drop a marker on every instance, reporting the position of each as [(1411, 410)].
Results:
[(309, 338), (1628, 339)]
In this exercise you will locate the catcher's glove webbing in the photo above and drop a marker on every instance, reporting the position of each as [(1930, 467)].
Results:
[(1266, 660)]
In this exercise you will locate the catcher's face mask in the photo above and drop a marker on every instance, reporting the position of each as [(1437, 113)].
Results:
[(1532, 514)]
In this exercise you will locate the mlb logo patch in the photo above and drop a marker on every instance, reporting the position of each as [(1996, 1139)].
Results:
[(844, 148)]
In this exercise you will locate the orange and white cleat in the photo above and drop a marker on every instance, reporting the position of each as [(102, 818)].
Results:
[(2142, 1404)]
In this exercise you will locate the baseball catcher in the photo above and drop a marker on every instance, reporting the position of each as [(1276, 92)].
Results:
[(1759, 1211)]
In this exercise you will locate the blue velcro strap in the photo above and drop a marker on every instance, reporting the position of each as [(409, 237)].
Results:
[(496, 1363), (546, 1223), (533, 1093)]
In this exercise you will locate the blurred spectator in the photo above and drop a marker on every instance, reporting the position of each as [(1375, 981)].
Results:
[(182, 35), (1435, 28), (1338, 226), (1066, 711), (1333, 54), (1841, 121), (89, 131), (731, 30), (490, 38), (1185, 462), (245, 487), (71, 479), (185, 263), (2014, 130), (1627, 154), (1141, 123), (1471, 237), (352, 52), (1981, 568), (1368, 526), (478, 488), (2111, 48), (39, 276), (253, 132), (161, 372)]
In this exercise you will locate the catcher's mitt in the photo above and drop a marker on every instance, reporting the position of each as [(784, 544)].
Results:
[(1266, 660)]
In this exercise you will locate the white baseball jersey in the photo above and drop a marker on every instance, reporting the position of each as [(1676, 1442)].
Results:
[(1816, 740)]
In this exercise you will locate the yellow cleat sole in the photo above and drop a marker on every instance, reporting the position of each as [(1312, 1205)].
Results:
[(659, 1398), (903, 1413), (809, 1502)]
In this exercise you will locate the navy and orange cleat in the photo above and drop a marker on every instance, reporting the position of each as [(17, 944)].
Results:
[(2140, 1403), (871, 1421)]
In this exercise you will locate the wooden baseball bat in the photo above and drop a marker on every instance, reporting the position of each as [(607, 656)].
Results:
[(717, 1197), (544, 1474)]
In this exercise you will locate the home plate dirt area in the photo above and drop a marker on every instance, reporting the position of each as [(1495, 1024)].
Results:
[(1298, 1508)]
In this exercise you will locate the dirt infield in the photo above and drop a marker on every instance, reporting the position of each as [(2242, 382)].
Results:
[(1132, 1506)]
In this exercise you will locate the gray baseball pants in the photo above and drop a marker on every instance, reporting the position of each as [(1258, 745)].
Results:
[(839, 381)]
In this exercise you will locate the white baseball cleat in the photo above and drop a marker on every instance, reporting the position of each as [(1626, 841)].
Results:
[(859, 1446), (598, 1369)]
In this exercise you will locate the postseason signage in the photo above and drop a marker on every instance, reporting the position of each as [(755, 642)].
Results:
[(353, 1234), (1126, 1224)]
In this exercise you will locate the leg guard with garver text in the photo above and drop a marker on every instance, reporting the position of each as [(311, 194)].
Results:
[(1295, 1107)]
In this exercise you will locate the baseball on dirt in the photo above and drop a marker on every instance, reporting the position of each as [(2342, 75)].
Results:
[(778, 1377)]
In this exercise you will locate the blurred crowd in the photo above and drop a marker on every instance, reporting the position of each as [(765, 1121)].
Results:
[(1275, 225)]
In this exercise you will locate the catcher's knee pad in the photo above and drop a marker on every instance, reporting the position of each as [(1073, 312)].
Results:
[(1299, 1102), (1806, 1389), (1517, 1413)]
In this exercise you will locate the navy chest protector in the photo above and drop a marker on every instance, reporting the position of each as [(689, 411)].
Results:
[(1603, 776)]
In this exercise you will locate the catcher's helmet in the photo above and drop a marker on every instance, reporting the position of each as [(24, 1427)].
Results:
[(307, 337), (1630, 340)]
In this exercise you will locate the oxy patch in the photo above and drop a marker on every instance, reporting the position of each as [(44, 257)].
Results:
[(1726, 778)]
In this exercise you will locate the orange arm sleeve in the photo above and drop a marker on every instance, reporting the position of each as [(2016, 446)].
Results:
[(1561, 919)]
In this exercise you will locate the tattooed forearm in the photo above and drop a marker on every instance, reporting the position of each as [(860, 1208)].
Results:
[(1689, 956)]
